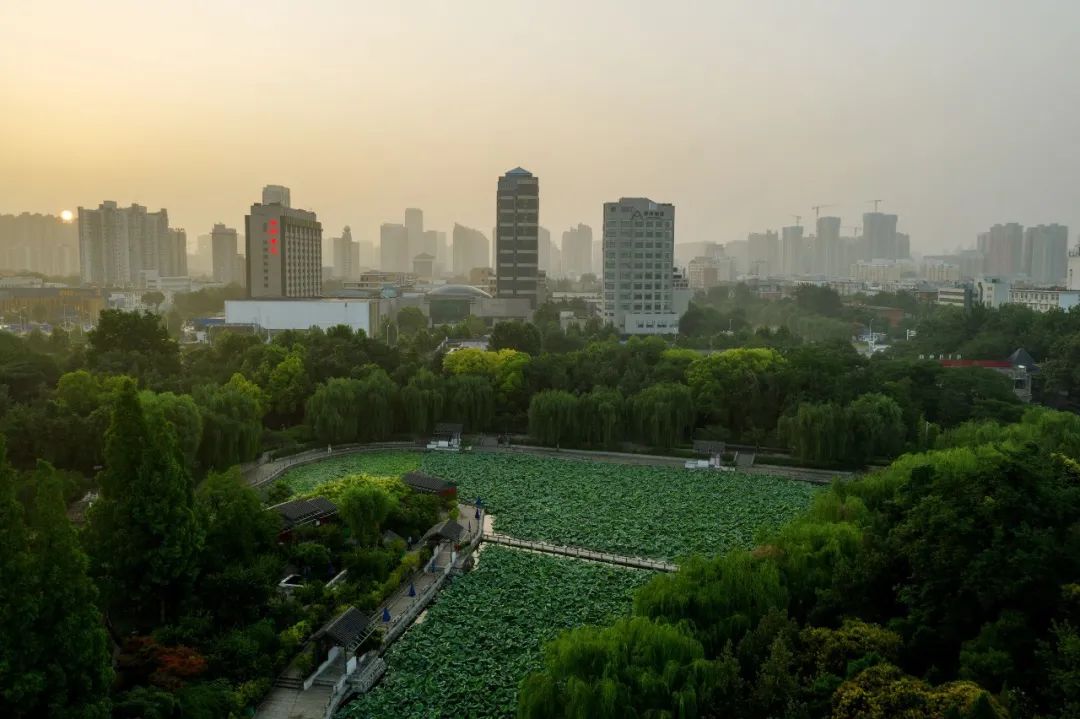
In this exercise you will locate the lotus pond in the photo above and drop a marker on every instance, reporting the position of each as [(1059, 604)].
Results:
[(485, 632), (661, 512)]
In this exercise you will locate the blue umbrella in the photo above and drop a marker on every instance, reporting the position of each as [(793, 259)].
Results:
[(477, 513), (386, 614), (412, 590)]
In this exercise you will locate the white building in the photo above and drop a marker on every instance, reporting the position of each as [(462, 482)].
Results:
[(639, 244), (991, 292), (279, 315), (1042, 299)]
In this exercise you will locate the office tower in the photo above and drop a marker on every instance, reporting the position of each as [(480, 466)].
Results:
[(763, 249), (879, 230), (577, 250), (827, 247), (365, 254), (470, 250), (442, 253), (543, 249), (555, 262), (639, 245), (284, 252), (345, 255), (1047, 248), (394, 248), (39, 243), (1003, 246), (174, 254), (276, 194), (223, 243), (704, 273), (792, 248), (117, 244), (414, 224), (516, 238), (429, 244), (903, 246)]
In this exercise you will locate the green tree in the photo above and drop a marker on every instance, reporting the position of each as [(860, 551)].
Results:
[(232, 422), (182, 415), (411, 320), (422, 399), (662, 415), (553, 416), (288, 388), (144, 534), (238, 528), (134, 344), (516, 335), (471, 401), (365, 506)]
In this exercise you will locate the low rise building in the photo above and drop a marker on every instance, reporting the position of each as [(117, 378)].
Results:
[(1043, 299)]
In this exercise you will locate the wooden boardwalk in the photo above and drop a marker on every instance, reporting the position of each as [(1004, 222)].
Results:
[(655, 565)]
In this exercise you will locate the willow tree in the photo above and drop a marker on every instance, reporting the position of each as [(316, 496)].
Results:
[(422, 400), (471, 400), (636, 667), (553, 418), (332, 411), (602, 412), (662, 414)]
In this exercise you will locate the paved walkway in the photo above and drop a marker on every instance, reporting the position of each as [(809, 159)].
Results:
[(581, 553), (291, 701)]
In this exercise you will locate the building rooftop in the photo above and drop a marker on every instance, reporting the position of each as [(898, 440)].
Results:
[(519, 171), (345, 628), (459, 292), (422, 482)]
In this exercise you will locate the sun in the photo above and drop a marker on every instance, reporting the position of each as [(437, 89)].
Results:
[(67, 216)]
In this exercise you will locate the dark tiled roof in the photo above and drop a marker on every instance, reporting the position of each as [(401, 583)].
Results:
[(448, 428), (391, 536), (425, 482), (300, 511), (450, 530), (345, 628), (1021, 357)]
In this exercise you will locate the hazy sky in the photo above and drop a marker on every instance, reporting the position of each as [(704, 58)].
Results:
[(957, 114)]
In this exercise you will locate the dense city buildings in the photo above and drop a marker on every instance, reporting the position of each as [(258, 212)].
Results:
[(1003, 246), (173, 259), (704, 273), (117, 245), (32, 242), (284, 252), (639, 244), (516, 235), (394, 248), (470, 250), (577, 250)]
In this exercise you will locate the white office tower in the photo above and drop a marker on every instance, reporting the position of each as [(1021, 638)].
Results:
[(639, 245)]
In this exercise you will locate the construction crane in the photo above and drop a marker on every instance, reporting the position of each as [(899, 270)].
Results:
[(798, 220), (856, 229), (875, 203), (818, 208)]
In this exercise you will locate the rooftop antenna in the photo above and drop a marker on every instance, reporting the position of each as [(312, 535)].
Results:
[(818, 208), (798, 220), (875, 202)]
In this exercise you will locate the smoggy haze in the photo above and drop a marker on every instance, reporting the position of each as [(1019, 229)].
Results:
[(956, 114)]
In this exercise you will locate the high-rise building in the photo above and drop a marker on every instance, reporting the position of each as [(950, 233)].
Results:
[(470, 250), (827, 247), (173, 256), (284, 252), (345, 255), (792, 249), (118, 244), (414, 224), (879, 231), (543, 249), (639, 246), (429, 244), (903, 246), (442, 253), (394, 248), (223, 243), (704, 273), (516, 238), (1046, 246), (39, 243), (277, 194), (577, 250), (1003, 247), (763, 249)]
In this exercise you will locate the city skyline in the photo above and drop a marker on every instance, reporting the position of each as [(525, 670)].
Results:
[(737, 144)]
